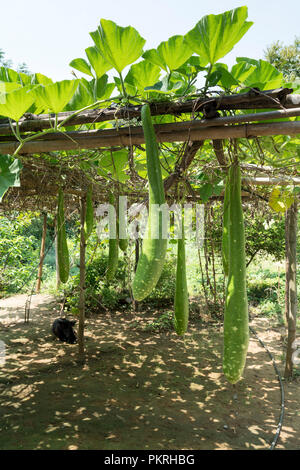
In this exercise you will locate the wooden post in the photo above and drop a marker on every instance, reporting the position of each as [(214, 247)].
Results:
[(291, 285), (81, 351), (42, 254)]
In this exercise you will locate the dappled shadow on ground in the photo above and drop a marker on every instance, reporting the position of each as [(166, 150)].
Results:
[(138, 389)]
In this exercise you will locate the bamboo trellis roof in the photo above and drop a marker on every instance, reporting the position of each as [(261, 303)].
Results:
[(40, 178)]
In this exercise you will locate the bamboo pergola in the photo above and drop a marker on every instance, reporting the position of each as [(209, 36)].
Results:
[(45, 169)]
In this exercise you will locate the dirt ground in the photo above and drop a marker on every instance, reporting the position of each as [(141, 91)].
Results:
[(139, 388)]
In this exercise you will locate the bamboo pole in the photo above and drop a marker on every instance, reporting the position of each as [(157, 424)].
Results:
[(279, 98), (42, 254), (168, 133), (291, 284), (81, 349)]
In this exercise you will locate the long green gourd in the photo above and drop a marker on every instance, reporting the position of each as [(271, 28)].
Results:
[(89, 215), (153, 254), (62, 247), (225, 237), (236, 328), (181, 302), (121, 221), (113, 252)]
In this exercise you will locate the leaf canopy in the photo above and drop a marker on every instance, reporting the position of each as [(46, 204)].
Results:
[(215, 35), (119, 46)]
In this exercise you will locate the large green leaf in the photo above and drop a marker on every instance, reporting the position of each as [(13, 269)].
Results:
[(81, 65), (40, 79), (263, 74), (119, 46), (10, 169), (55, 97), (215, 35), (16, 103), (171, 54), (114, 163), (97, 61), (141, 75)]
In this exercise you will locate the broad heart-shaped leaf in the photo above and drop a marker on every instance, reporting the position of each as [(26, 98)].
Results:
[(169, 55), (215, 35), (55, 97), (88, 92), (280, 201), (17, 102), (97, 61), (10, 169), (174, 52), (263, 74), (114, 163), (241, 71), (81, 65), (81, 98), (7, 87), (140, 76), (119, 46)]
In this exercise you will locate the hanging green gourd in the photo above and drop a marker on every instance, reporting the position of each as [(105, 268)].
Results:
[(62, 246), (121, 222), (89, 214), (181, 302), (225, 239), (236, 328), (153, 254), (113, 251)]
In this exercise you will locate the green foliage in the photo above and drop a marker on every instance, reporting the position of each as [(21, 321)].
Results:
[(163, 322), (14, 104), (215, 35), (19, 251), (285, 58), (264, 232), (10, 169), (118, 45), (55, 96)]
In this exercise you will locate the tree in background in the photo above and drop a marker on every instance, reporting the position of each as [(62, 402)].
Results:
[(8, 63), (3, 61), (285, 58)]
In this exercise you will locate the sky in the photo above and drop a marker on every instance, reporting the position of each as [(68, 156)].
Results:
[(47, 35)]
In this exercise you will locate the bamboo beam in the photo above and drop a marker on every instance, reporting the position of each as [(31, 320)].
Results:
[(164, 133), (269, 181), (175, 126), (255, 99)]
